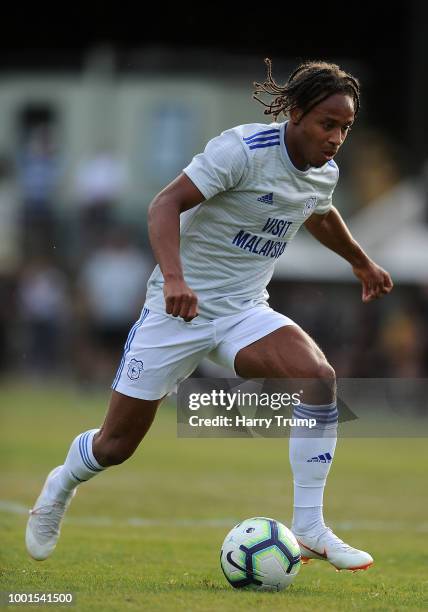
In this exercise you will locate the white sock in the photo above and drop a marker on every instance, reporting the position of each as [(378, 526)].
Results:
[(311, 454), (80, 465)]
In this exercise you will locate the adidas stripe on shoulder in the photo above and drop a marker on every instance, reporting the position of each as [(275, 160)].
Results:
[(263, 139)]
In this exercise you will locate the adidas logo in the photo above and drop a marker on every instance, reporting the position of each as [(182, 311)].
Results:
[(324, 458), (266, 199)]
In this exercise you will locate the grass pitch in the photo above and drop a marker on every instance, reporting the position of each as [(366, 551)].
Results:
[(146, 535)]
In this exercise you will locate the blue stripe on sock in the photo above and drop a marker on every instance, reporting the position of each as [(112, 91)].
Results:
[(327, 419), (311, 411), (323, 416), (76, 477), (87, 451), (82, 452), (322, 413), (131, 336), (85, 454), (315, 412), (312, 408), (331, 406)]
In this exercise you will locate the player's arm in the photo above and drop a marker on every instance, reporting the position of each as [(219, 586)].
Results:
[(219, 168), (331, 230), (164, 234)]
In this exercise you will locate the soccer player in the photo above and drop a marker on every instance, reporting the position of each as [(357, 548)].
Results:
[(216, 232)]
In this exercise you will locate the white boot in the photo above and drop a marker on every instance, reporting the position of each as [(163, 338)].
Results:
[(44, 524), (328, 547)]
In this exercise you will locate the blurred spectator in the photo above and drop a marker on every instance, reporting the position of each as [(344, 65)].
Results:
[(10, 254), (366, 356), (100, 183), (375, 166), (38, 180), (44, 307), (422, 305), (10, 251), (111, 289), (402, 339)]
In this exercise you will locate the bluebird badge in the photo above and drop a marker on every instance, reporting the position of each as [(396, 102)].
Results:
[(134, 369), (309, 206)]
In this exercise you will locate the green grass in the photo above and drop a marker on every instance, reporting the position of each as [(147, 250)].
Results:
[(379, 486)]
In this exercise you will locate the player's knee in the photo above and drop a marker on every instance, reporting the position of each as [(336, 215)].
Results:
[(325, 378), (318, 370), (324, 371)]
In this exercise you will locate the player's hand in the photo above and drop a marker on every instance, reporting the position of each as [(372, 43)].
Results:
[(375, 280), (180, 300)]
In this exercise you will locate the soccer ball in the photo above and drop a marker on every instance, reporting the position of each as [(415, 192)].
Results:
[(260, 553)]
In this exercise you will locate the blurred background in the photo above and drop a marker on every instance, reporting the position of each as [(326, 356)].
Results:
[(100, 110)]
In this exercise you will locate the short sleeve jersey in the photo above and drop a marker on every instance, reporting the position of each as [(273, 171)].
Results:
[(255, 202)]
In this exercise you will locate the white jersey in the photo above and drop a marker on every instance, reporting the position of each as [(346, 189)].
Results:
[(256, 200)]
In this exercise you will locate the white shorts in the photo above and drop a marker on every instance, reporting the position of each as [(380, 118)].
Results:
[(162, 350)]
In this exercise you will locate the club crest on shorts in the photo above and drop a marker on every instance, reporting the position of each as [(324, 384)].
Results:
[(134, 369), (309, 206)]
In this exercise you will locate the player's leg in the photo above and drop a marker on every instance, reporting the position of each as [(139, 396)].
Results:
[(125, 425), (127, 421), (289, 352), (159, 351), (263, 343)]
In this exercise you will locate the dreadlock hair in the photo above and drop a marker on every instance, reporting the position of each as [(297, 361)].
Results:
[(311, 83)]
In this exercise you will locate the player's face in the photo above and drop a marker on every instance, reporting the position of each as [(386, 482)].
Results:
[(323, 130)]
